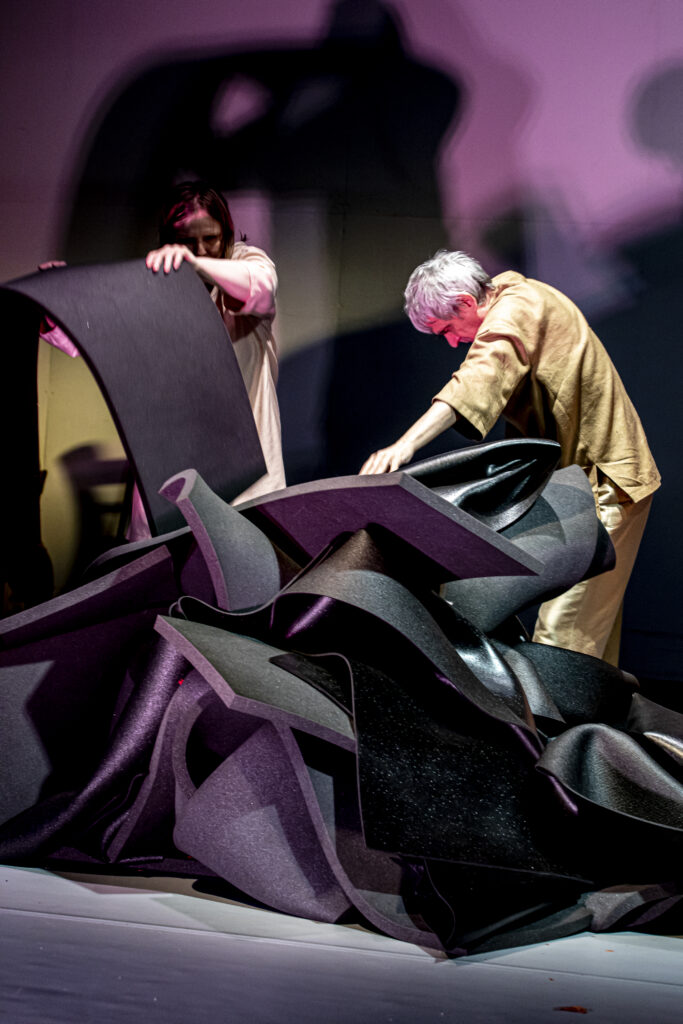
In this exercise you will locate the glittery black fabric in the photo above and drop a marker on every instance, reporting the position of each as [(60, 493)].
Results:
[(356, 744), (496, 482), (562, 530)]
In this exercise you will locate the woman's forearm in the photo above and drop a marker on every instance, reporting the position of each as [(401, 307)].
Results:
[(232, 276)]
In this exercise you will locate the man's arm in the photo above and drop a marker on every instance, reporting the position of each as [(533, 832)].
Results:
[(438, 418)]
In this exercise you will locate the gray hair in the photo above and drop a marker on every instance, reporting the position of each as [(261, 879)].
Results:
[(434, 287)]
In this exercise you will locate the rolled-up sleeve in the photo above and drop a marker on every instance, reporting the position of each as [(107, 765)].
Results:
[(262, 281), (502, 354), (481, 388)]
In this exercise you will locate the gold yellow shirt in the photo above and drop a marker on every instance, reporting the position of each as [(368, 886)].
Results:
[(535, 361)]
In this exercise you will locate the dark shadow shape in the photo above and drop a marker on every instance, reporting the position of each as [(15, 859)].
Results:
[(344, 119)]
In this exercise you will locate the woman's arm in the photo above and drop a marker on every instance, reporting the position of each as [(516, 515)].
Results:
[(250, 282), (438, 418)]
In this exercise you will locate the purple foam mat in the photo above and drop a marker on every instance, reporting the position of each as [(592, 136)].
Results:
[(146, 582), (309, 516), (57, 703), (250, 823), (146, 828)]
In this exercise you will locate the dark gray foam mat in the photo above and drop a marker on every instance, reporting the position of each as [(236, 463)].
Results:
[(583, 688), (240, 559), (242, 673)]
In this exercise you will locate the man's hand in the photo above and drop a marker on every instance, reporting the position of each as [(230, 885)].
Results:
[(438, 418), (386, 460), (169, 257)]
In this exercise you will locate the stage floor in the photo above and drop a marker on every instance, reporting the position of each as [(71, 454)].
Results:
[(85, 949)]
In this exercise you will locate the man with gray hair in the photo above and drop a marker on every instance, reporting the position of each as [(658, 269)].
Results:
[(535, 361)]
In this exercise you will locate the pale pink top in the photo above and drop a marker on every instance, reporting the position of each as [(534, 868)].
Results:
[(255, 347)]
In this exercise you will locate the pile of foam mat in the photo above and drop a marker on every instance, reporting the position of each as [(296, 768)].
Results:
[(324, 700)]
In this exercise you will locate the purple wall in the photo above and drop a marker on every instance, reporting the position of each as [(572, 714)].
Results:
[(551, 91)]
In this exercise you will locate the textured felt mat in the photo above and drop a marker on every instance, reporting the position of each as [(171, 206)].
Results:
[(449, 768), (341, 740)]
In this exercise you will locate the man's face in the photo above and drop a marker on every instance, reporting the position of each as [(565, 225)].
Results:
[(462, 325)]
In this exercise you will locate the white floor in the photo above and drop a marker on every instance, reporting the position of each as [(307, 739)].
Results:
[(81, 950)]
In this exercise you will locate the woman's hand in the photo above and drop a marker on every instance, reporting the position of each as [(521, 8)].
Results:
[(170, 257)]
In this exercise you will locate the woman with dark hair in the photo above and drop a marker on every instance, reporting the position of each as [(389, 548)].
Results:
[(196, 227), (183, 199)]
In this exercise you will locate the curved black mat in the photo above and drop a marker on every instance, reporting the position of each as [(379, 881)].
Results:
[(158, 348)]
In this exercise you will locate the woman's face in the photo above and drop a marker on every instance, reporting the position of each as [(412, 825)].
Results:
[(200, 233)]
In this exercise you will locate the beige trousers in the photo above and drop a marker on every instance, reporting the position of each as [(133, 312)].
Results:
[(587, 618)]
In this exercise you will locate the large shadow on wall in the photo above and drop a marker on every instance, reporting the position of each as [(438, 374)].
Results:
[(351, 129), (644, 340), (629, 288)]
